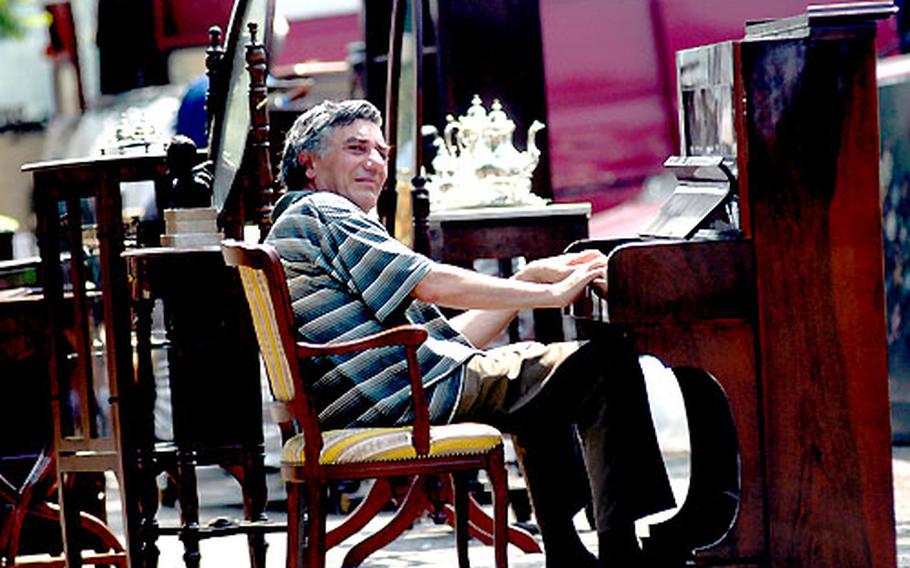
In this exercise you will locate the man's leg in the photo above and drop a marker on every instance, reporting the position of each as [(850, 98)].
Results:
[(537, 392), (550, 456), (558, 486), (625, 468)]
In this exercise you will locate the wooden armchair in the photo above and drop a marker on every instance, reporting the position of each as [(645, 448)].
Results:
[(311, 457)]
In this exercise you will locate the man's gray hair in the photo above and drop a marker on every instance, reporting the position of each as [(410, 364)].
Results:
[(312, 131)]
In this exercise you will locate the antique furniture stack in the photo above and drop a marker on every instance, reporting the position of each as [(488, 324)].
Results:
[(99, 289)]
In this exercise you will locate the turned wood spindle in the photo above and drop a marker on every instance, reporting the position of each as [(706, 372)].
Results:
[(258, 149), (214, 55)]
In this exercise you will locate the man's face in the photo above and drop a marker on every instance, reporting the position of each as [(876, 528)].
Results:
[(353, 164)]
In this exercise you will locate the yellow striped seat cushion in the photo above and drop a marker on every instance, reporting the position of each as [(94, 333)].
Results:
[(363, 445)]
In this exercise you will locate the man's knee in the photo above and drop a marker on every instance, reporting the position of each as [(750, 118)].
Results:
[(501, 380)]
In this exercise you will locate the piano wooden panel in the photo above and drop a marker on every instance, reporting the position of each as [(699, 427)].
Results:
[(725, 349), (720, 282), (790, 319), (812, 173)]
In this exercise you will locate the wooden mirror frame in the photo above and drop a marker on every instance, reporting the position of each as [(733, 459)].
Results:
[(389, 197), (233, 77)]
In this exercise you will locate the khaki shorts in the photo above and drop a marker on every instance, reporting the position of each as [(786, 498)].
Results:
[(501, 381)]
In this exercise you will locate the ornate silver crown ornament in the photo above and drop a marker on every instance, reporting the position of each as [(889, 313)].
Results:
[(476, 163)]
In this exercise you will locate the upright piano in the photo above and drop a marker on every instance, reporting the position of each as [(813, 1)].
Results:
[(763, 272)]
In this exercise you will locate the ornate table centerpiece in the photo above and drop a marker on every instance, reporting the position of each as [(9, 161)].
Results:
[(476, 163)]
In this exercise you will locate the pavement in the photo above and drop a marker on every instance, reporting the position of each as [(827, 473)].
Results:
[(427, 544)]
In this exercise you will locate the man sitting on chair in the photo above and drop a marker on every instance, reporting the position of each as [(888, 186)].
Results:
[(349, 278)]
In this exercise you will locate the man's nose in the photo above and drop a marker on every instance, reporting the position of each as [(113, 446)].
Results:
[(375, 160)]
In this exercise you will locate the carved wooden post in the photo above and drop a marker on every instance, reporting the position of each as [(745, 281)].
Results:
[(258, 148), (420, 204), (214, 98)]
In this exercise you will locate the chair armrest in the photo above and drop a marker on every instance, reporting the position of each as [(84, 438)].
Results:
[(408, 336), (404, 335)]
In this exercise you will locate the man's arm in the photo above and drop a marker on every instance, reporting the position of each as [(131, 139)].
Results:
[(493, 302), (482, 326), (454, 287)]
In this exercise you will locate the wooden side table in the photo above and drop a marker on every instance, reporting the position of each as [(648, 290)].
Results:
[(80, 229), (213, 373)]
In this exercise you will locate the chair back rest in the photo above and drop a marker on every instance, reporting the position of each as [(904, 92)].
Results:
[(267, 294), (260, 269)]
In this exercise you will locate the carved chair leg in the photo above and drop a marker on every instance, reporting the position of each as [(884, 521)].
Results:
[(255, 499), (315, 545), (497, 472), (460, 498), (380, 495), (481, 527), (295, 524), (414, 503)]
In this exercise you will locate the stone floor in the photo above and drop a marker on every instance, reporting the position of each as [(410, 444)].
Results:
[(429, 545), (426, 544)]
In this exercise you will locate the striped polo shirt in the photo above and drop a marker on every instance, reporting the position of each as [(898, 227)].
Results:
[(349, 278)]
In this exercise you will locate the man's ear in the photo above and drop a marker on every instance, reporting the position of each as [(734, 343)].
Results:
[(306, 161)]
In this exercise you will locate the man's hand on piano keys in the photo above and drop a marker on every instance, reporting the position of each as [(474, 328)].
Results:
[(599, 286), (569, 274), (557, 268)]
